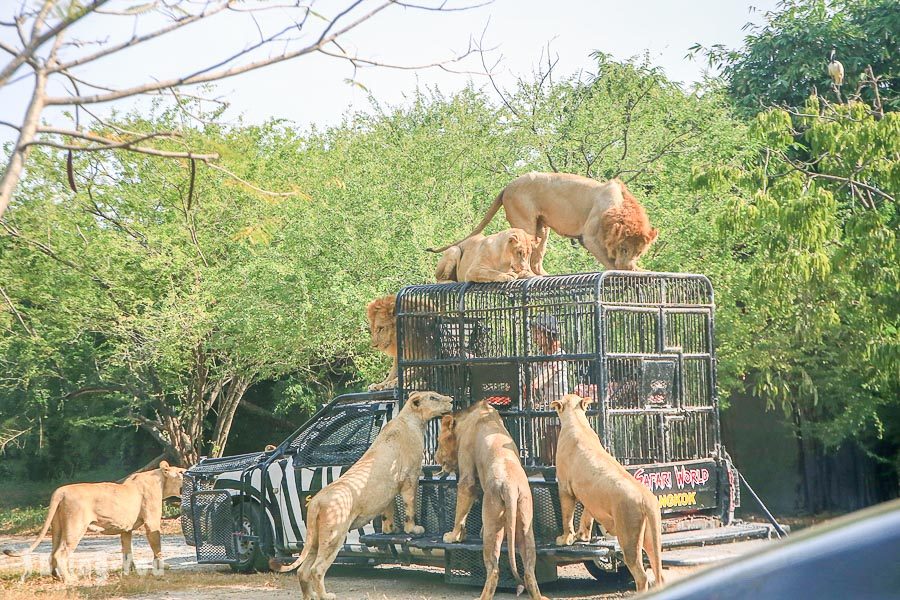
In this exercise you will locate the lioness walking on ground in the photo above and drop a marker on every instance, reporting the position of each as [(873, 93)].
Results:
[(475, 445), (110, 508), (624, 506), (392, 465)]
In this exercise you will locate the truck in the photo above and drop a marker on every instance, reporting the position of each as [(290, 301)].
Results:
[(639, 345)]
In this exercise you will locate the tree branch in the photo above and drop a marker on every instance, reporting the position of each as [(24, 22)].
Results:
[(139, 39), (27, 53), (847, 180), (16, 312), (204, 77)]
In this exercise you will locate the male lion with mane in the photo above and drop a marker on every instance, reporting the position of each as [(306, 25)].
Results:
[(392, 465), (383, 329), (110, 508), (603, 216)]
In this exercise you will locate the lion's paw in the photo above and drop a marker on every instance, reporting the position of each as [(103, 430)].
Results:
[(565, 539), (415, 530), (451, 537), (583, 535)]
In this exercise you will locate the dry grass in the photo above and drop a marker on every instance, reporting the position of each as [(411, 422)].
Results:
[(119, 586)]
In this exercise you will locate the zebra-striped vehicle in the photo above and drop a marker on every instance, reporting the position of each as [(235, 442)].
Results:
[(639, 344)]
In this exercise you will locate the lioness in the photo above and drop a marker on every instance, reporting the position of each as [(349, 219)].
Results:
[(475, 445), (503, 256), (383, 329), (624, 506), (110, 508), (390, 466), (605, 217)]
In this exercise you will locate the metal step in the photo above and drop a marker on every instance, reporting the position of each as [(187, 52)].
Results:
[(596, 548)]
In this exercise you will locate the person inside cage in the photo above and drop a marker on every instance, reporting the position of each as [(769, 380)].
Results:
[(549, 382), (549, 378)]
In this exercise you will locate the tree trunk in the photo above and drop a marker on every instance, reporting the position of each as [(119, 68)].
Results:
[(227, 408), (16, 163)]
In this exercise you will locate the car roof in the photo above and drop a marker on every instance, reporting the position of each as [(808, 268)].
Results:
[(854, 556)]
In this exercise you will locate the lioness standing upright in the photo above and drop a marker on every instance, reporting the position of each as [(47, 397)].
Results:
[(624, 506), (392, 465), (604, 216), (475, 445)]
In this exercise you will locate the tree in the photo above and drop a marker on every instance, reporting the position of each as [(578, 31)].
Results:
[(50, 49), (816, 205), (783, 61), (229, 281)]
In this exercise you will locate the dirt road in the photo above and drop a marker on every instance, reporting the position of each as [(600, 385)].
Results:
[(98, 562)]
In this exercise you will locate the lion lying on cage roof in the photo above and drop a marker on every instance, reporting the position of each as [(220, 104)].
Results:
[(502, 256), (603, 216)]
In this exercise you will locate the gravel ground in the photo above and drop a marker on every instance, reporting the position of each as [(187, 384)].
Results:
[(98, 557)]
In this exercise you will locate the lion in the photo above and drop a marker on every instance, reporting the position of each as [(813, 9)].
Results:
[(624, 506), (603, 216), (391, 466), (475, 445), (383, 329), (503, 256), (109, 508)]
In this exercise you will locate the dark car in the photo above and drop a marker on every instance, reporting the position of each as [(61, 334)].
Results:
[(856, 556)]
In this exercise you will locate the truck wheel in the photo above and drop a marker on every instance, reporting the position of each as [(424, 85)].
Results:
[(622, 577), (250, 557)]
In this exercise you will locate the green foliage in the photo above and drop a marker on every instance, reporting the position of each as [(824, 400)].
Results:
[(817, 207), (138, 290), (782, 61)]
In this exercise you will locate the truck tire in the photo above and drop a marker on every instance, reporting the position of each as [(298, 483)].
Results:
[(622, 577), (250, 557)]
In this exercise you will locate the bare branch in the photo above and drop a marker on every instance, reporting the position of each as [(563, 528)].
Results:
[(356, 60), (27, 53), (108, 144), (135, 40), (442, 7), (847, 180), (250, 185), (12, 307), (217, 75)]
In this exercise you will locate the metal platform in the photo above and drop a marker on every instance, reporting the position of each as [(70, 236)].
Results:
[(596, 548)]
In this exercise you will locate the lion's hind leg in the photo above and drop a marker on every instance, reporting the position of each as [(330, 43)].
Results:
[(330, 544), (492, 519), (537, 255), (631, 541), (446, 271)]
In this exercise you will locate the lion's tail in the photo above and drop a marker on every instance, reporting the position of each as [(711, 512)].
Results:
[(312, 540), (55, 499), (652, 542), (512, 516), (498, 202)]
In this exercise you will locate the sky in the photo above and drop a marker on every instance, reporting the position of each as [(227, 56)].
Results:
[(313, 89)]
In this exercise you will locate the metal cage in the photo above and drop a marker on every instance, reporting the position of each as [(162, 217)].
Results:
[(639, 345)]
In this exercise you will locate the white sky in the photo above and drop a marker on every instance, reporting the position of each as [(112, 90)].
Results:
[(312, 89)]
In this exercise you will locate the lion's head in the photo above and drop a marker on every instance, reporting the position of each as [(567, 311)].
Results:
[(520, 246), (173, 479), (448, 445), (626, 231), (383, 324)]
